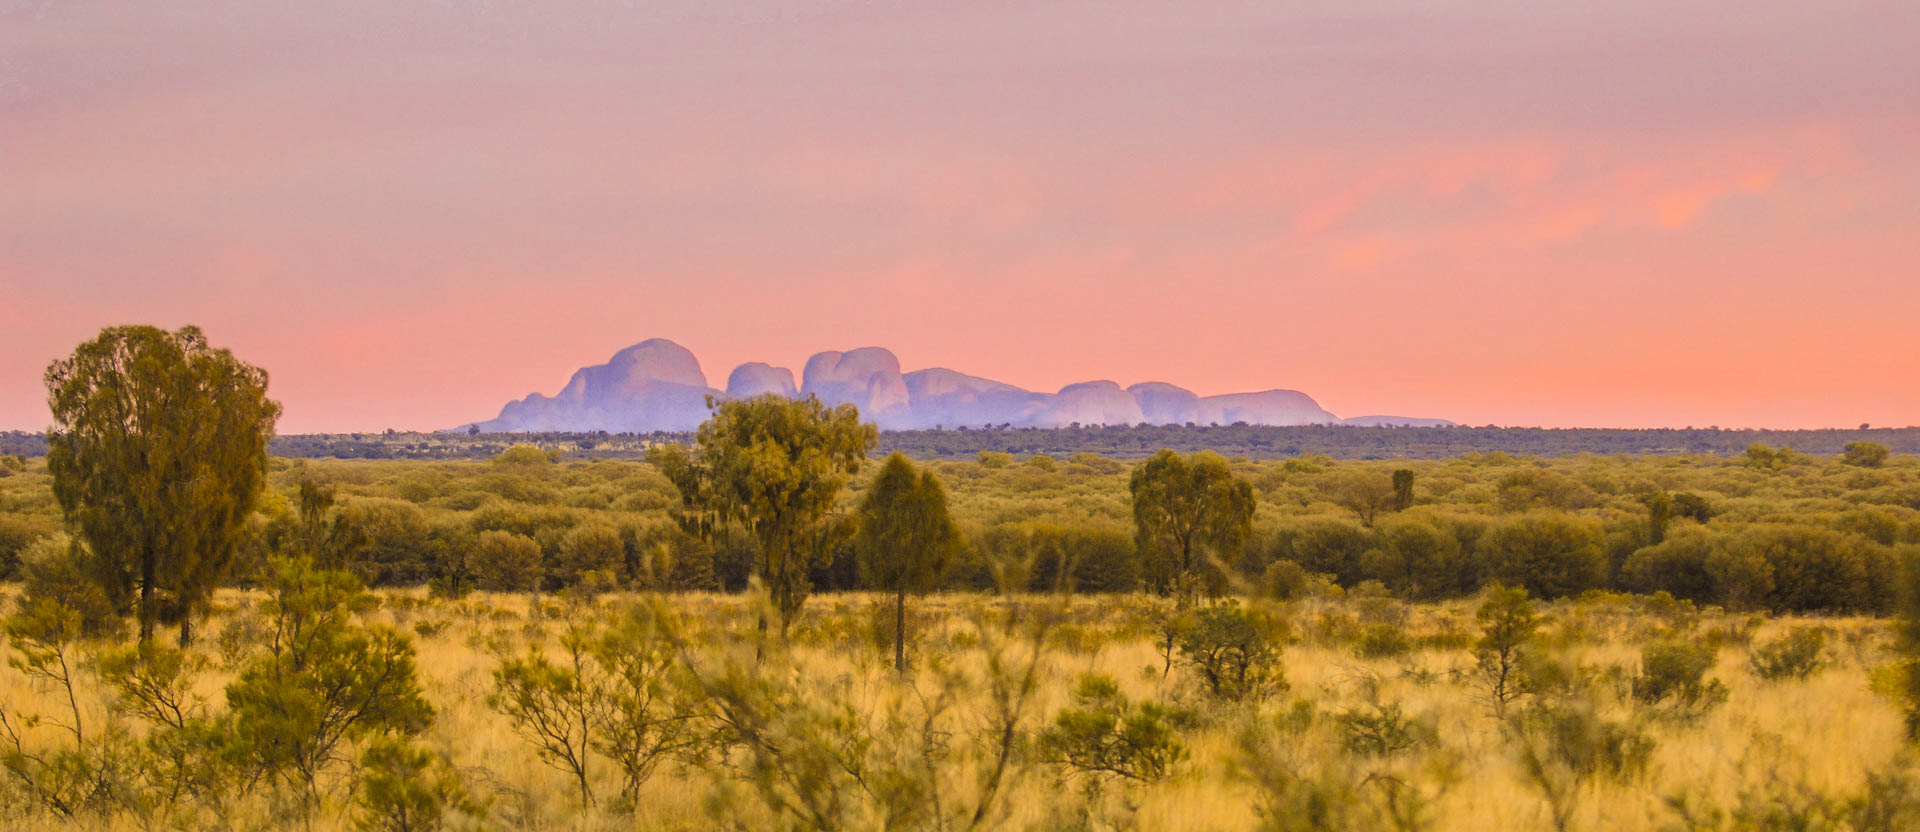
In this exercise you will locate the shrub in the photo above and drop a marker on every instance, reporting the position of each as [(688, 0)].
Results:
[(1508, 623), (1105, 736), (407, 789), (1417, 560), (1382, 641), (1381, 730), (1675, 672), (324, 677), (995, 459), (1551, 555), (1231, 652), (1865, 454), (1795, 655), (1677, 565), (56, 570), (607, 696), (1563, 749), (589, 549), (1284, 580), (505, 562)]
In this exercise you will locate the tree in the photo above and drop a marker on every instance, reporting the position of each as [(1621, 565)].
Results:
[(592, 555), (1692, 506), (1416, 560), (1659, 514), (1508, 622), (1188, 512), (326, 535), (774, 466), (1551, 554), (1865, 454), (906, 539), (506, 562), (1364, 493), (1402, 489), (158, 452), (1231, 652)]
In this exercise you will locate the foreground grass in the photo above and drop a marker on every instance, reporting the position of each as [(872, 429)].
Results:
[(1792, 753)]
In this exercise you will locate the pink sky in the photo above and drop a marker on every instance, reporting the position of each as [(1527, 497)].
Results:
[(1615, 214)]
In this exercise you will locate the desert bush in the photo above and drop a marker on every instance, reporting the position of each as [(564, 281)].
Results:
[(588, 549), (405, 788), (1284, 580), (323, 679), (1376, 730), (1382, 641), (1795, 655), (1674, 672), (56, 570), (1563, 748), (1551, 555), (1230, 650), (1104, 736), (84, 776), (505, 562), (1417, 560), (1676, 565)]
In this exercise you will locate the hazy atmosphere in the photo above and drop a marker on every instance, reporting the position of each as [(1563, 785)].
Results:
[(1632, 214)]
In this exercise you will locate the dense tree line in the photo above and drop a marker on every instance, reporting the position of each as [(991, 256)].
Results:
[(1751, 532), (1135, 442)]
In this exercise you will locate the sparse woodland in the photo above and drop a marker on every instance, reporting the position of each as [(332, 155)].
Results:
[(751, 633)]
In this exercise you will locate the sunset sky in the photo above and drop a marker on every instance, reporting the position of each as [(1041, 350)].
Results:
[(1637, 213)]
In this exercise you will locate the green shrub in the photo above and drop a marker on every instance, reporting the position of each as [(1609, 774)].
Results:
[(1552, 555), (1105, 736), (1675, 672), (1230, 651), (405, 788), (324, 678), (505, 562), (1382, 641), (1382, 730), (995, 459), (1795, 655)]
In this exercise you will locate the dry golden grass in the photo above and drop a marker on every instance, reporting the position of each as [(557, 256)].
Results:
[(1823, 735)]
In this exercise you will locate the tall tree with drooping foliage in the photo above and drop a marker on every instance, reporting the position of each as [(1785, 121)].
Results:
[(906, 539), (1189, 512), (772, 466), (158, 453)]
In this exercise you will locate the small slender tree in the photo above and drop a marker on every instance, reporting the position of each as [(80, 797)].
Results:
[(906, 539), (1509, 622), (158, 453), (1659, 516), (773, 466), (1402, 489)]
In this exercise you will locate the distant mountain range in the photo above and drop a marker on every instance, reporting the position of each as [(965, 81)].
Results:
[(657, 385)]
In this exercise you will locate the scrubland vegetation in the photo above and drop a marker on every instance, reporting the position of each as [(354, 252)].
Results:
[(765, 630), (602, 675)]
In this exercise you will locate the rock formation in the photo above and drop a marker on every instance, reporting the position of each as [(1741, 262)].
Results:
[(657, 385)]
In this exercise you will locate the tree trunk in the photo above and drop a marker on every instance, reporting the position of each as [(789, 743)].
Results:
[(147, 612), (900, 631), (186, 630)]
